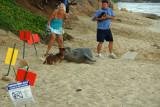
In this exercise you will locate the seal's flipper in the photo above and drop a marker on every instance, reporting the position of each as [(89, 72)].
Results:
[(90, 59)]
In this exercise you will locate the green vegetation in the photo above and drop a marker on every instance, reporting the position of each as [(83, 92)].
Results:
[(114, 1), (65, 35), (12, 18)]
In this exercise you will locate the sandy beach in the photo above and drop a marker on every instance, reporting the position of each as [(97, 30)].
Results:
[(106, 83)]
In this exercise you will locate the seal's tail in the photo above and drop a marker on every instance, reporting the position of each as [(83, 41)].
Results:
[(90, 59)]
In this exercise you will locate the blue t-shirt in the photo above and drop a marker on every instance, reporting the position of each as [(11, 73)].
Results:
[(104, 24), (65, 2)]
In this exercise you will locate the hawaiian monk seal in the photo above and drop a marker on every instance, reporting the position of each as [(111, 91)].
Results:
[(79, 55)]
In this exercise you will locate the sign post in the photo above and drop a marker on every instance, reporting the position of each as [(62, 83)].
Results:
[(24, 35), (20, 93)]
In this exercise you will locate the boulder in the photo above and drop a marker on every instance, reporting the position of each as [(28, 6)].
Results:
[(124, 9), (6, 78)]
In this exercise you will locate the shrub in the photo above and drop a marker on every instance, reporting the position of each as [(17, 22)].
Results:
[(14, 19), (114, 1)]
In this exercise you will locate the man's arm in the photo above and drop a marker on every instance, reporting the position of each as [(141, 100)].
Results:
[(110, 17), (99, 19), (104, 17)]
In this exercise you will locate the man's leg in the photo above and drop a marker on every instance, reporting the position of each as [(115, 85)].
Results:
[(99, 47), (67, 11), (111, 55), (100, 39), (53, 37), (111, 47)]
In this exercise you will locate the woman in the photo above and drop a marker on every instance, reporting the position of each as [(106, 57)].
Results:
[(55, 25)]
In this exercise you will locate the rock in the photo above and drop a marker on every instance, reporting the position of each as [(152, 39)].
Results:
[(23, 62), (124, 9), (157, 46), (151, 16), (79, 90), (129, 55), (6, 78), (119, 20)]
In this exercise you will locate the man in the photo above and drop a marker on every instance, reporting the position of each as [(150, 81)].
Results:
[(103, 29), (67, 7)]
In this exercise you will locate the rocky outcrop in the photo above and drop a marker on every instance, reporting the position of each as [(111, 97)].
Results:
[(151, 16), (46, 7)]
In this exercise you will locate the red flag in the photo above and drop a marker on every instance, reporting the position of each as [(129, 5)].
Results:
[(35, 37), (30, 76), (27, 35)]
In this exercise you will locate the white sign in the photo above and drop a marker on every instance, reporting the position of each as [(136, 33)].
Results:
[(20, 93)]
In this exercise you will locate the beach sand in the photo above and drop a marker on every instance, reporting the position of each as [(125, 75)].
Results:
[(106, 83)]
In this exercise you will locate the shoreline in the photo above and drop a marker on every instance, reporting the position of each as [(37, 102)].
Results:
[(136, 2), (145, 12)]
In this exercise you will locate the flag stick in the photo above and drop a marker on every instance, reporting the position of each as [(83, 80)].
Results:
[(24, 40), (26, 73), (34, 45), (24, 46), (25, 78), (11, 59), (15, 73)]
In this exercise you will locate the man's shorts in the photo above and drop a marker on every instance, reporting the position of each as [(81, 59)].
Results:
[(104, 35)]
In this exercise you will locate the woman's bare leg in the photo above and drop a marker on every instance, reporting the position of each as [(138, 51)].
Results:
[(60, 41), (60, 44), (53, 37)]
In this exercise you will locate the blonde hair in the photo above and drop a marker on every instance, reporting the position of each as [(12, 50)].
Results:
[(64, 7)]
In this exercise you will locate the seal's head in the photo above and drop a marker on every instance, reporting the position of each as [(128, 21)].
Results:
[(68, 49)]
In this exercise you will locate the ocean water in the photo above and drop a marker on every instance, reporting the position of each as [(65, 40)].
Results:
[(153, 8)]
